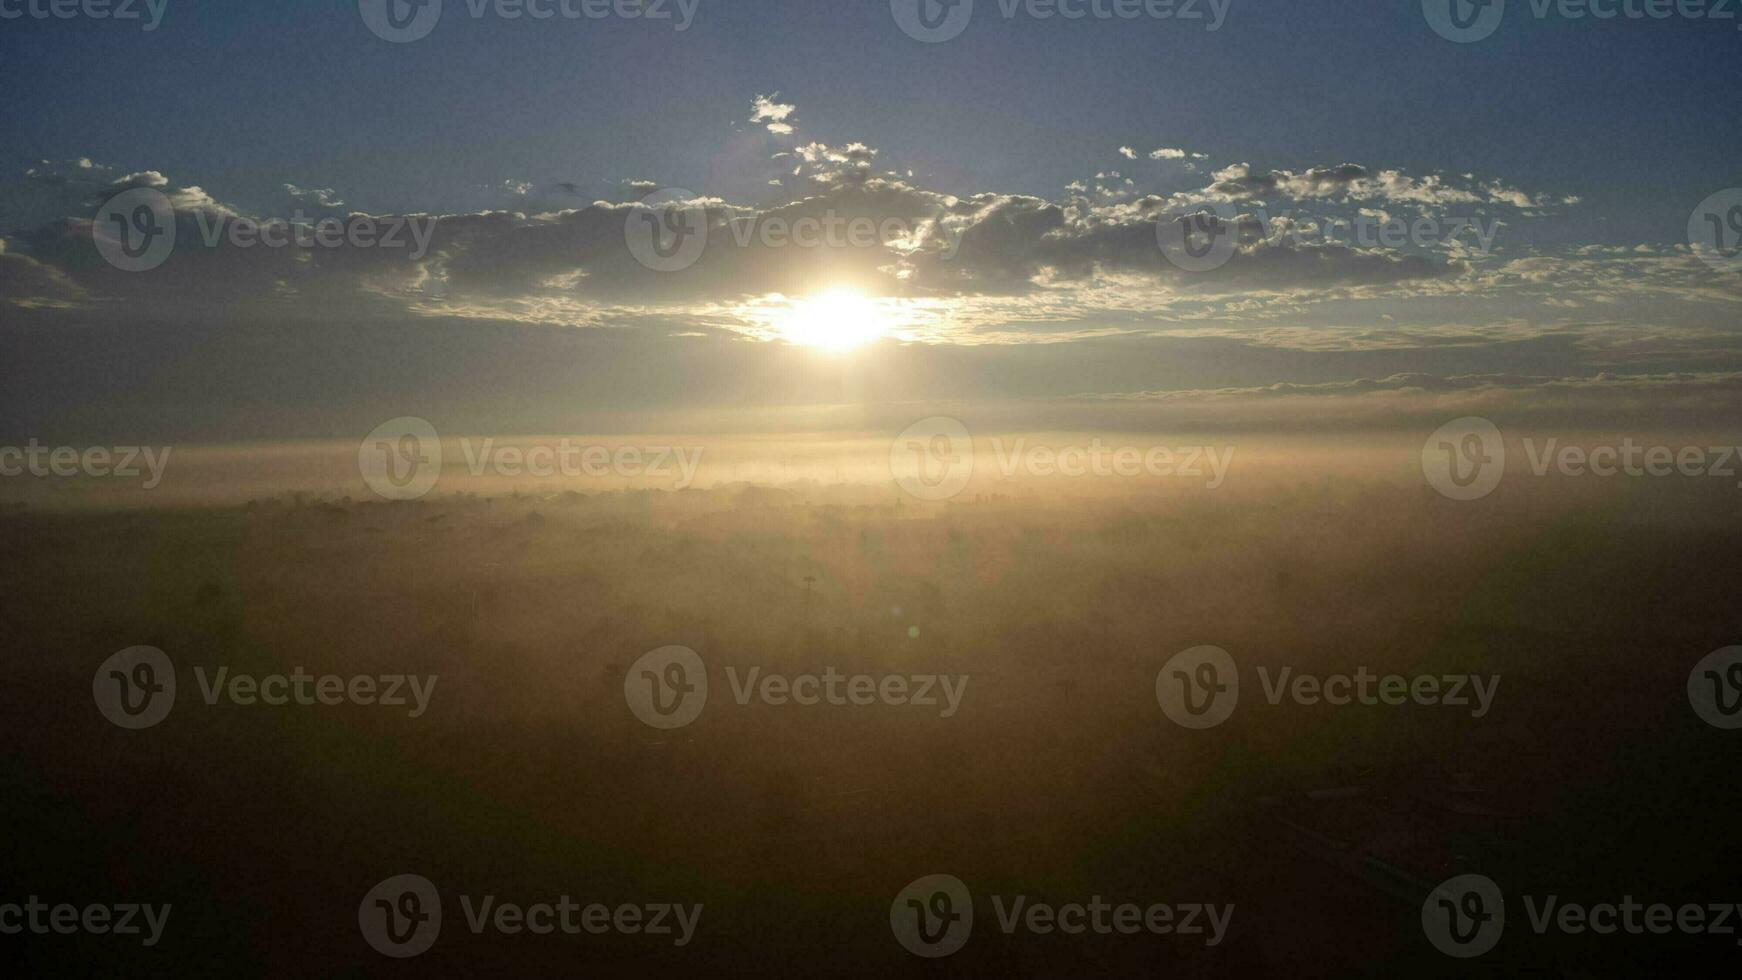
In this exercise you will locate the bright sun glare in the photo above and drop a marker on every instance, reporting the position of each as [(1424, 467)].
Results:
[(836, 320)]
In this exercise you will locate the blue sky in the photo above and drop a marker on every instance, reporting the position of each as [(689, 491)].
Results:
[(1633, 117)]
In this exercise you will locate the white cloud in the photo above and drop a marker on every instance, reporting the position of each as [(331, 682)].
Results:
[(324, 197), (1005, 265), (144, 178), (764, 109)]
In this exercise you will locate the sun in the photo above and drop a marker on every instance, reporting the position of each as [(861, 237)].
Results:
[(834, 320)]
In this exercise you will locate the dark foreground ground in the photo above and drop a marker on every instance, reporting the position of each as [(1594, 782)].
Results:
[(1059, 778)]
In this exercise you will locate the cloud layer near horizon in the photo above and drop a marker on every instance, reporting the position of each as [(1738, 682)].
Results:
[(1312, 281)]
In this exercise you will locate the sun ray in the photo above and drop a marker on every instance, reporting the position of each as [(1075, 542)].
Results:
[(836, 320)]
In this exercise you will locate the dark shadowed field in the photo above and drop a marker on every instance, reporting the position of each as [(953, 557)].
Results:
[(1059, 777)]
